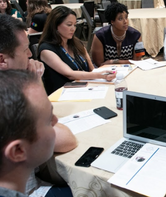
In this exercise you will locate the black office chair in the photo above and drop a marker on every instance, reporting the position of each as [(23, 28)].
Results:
[(33, 43), (101, 13), (105, 3), (165, 2), (90, 7), (147, 3), (23, 5), (91, 27)]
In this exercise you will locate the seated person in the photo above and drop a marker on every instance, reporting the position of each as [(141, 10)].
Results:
[(37, 12), (115, 43), (26, 125), (6, 8), (15, 54), (64, 56)]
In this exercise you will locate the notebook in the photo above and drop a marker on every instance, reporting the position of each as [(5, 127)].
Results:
[(144, 120)]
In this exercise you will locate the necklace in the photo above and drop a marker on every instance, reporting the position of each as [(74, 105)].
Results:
[(76, 61), (119, 38)]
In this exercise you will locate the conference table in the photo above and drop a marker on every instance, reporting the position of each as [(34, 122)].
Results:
[(76, 7), (90, 181), (150, 22)]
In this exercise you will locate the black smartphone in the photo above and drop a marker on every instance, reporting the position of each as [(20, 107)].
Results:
[(105, 112), (75, 84), (89, 156)]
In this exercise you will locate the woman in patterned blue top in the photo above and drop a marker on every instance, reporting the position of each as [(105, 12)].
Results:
[(115, 43)]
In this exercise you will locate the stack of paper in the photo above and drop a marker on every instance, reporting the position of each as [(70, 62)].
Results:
[(123, 70), (145, 172), (148, 64), (79, 94)]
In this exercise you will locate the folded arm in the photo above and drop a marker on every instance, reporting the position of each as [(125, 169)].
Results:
[(98, 54), (64, 140)]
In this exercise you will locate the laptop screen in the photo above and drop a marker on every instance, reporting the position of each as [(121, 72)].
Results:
[(144, 117)]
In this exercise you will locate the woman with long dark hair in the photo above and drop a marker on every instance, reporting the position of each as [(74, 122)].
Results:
[(37, 12), (64, 56), (6, 8)]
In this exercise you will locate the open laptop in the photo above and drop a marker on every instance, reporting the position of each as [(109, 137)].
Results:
[(144, 120)]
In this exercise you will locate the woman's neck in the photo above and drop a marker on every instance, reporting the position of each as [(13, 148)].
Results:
[(2, 11), (117, 32), (64, 42), (120, 37)]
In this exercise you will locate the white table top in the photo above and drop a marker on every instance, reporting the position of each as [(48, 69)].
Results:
[(92, 181)]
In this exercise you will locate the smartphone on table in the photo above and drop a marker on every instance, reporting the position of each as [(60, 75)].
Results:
[(89, 156), (105, 112), (75, 84)]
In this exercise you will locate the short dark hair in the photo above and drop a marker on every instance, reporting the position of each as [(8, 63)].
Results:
[(17, 119), (9, 28), (113, 10)]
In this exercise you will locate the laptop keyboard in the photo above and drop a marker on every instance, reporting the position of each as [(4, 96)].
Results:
[(127, 149)]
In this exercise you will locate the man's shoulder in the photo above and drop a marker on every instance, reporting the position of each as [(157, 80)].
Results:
[(4, 192)]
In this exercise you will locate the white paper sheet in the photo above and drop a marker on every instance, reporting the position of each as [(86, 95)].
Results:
[(145, 172), (148, 64), (82, 121), (122, 70), (83, 93)]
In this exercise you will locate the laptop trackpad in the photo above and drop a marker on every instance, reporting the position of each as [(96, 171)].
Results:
[(109, 162)]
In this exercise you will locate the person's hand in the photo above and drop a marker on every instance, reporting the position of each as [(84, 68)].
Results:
[(108, 75), (15, 14), (36, 66)]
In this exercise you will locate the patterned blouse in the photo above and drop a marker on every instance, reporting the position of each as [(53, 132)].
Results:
[(110, 47)]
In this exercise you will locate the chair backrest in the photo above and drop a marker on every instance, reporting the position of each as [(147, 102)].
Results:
[(34, 50), (101, 13), (147, 3), (90, 7), (105, 3), (23, 5), (165, 2), (91, 26), (33, 43)]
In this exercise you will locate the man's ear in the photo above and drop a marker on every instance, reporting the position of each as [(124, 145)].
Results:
[(3, 63), (16, 151)]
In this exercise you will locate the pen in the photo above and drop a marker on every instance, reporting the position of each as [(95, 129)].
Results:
[(108, 73)]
